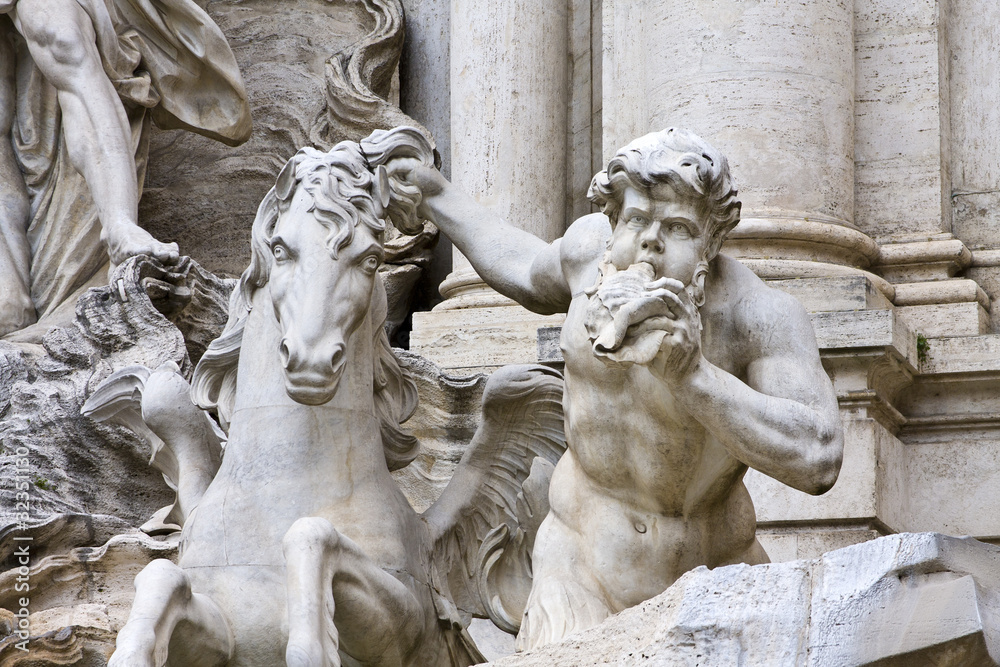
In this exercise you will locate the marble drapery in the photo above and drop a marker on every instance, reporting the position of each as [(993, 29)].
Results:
[(170, 64)]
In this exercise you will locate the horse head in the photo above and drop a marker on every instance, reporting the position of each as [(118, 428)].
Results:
[(317, 242), (322, 243)]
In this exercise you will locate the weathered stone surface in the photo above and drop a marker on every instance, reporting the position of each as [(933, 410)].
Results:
[(444, 422), (908, 599), (476, 339), (973, 29), (78, 88), (665, 341), (66, 462), (58, 534), (406, 259), (303, 508), (77, 603), (316, 73)]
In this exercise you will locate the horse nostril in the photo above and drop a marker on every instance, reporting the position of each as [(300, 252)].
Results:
[(337, 360), (283, 353)]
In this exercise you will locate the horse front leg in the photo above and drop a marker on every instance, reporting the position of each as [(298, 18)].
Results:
[(163, 600), (327, 573)]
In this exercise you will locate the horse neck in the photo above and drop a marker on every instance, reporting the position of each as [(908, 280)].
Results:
[(260, 377)]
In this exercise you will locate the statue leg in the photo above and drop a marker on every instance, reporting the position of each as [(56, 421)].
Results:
[(16, 309), (380, 617), (164, 600), (192, 450), (63, 45)]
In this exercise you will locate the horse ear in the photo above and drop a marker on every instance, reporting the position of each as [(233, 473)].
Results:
[(380, 186), (286, 181)]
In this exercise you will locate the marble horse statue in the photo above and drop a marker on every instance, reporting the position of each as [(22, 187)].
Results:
[(302, 550)]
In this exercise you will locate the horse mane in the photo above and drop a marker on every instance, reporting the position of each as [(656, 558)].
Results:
[(345, 193)]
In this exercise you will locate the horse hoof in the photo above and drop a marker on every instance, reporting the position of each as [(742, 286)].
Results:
[(137, 647)]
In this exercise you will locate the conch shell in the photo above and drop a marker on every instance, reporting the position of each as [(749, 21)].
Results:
[(611, 309)]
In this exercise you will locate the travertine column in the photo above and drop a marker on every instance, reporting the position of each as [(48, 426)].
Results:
[(973, 33), (771, 84), (508, 122), (903, 146), (425, 92), (509, 100)]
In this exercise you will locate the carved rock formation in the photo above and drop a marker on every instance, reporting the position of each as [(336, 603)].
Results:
[(907, 599), (149, 314), (444, 421), (316, 73), (78, 602)]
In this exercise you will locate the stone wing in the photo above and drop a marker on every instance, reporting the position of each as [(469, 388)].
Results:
[(186, 444), (118, 399), (484, 524)]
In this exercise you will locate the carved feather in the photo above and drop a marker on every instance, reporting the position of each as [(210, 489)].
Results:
[(185, 443), (522, 420)]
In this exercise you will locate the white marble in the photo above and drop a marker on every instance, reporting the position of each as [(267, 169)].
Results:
[(185, 443), (303, 513), (911, 599), (78, 86), (711, 372)]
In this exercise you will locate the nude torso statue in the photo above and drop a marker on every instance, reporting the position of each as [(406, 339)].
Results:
[(682, 370), (655, 493)]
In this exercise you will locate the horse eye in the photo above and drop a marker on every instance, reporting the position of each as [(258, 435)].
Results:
[(280, 252), (370, 263)]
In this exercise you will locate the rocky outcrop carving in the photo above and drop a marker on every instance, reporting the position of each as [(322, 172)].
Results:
[(67, 462), (79, 85), (908, 599), (78, 601), (445, 421)]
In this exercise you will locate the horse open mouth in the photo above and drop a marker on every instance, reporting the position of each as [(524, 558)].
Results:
[(311, 379), (311, 388)]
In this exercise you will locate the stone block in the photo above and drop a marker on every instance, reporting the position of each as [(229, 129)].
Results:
[(870, 485), (947, 319), (985, 270), (966, 354), (910, 599), (939, 292), (785, 542), (924, 260), (861, 329), (834, 293), (952, 484), (549, 351), (476, 339)]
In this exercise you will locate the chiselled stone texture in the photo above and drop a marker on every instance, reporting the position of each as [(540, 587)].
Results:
[(445, 420), (70, 463), (79, 600), (908, 599), (316, 73)]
